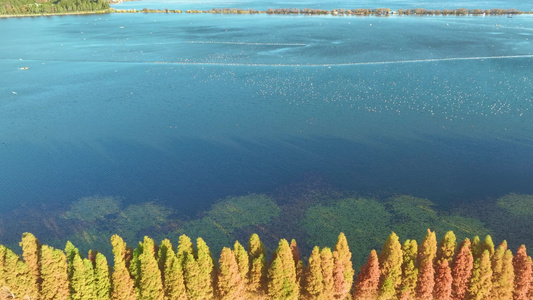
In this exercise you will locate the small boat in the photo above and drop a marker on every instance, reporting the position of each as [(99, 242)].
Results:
[(24, 68)]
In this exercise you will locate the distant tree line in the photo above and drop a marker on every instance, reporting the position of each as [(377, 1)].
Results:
[(471, 270), (32, 7), (360, 11)]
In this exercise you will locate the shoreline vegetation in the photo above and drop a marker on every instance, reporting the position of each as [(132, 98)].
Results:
[(449, 269), (7, 9)]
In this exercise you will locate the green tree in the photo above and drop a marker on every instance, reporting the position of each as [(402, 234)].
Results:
[(150, 282), (487, 244), (282, 274), (502, 273), (102, 283), (409, 269), (81, 279), (258, 268), (476, 247), (481, 280), (446, 249), (390, 264), (192, 278), (243, 261), (175, 282), (184, 247), (326, 259), (313, 281), (207, 269)]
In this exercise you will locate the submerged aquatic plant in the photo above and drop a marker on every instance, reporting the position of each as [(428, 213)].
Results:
[(93, 208), (517, 204)]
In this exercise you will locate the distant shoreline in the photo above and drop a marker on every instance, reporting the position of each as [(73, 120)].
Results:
[(77, 13), (380, 12)]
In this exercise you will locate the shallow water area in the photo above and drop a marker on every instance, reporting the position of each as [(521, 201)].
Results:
[(188, 109)]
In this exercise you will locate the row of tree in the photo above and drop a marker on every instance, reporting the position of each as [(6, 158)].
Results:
[(29, 7), (472, 270)]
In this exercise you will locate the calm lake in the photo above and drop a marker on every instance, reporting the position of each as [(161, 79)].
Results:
[(187, 109)]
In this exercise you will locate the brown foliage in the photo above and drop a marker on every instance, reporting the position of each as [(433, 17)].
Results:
[(522, 272), (443, 281), (462, 270), (366, 284)]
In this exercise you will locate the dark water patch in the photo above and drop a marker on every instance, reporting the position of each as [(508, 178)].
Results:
[(188, 174)]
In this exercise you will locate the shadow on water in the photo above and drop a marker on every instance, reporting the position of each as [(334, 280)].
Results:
[(189, 174)]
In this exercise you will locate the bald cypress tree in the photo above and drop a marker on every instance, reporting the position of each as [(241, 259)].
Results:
[(481, 280), (172, 272), (344, 258), (366, 285), (81, 278), (282, 274), (31, 248), (54, 276), (165, 257), (297, 262), (184, 247), (476, 247), (426, 272), (102, 282), (230, 285), (15, 275), (122, 283), (502, 273), (90, 280), (175, 282), (327, 263), (390, 264), (487, 244), (192, 278), (135, 269), (522, 272), (443, 281), (339, 283), (150, 282), (8, 267), (241, 256), (207, 268), (462, 270), (276, 280), (409, 269), (446, 248), (258, 267), (24, 287), (313, 281)]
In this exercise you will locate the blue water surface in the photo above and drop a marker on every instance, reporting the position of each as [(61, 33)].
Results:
[(187, 109)]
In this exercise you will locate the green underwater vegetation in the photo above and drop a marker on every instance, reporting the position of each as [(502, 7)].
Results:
[(313, 215), (365, 221), (94, 208), (517, 204)]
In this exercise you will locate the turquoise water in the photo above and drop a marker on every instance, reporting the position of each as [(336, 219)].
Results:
[(187, 109)]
